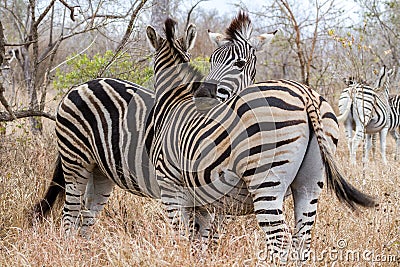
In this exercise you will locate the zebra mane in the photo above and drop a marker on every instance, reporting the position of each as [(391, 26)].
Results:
[(169, 29), (240, 27), (189, 73)]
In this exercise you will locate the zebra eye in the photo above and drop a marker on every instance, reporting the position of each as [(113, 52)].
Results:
[(240, 63)]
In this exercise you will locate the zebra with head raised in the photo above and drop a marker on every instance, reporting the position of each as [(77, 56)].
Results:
[(268, 136), (367, 110), (224, 80), (103, 134)]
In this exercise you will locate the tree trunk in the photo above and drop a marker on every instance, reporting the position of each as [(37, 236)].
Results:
[(2, 42)]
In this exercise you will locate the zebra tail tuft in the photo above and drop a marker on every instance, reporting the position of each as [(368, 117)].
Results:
[(344, 191), (56, 187)]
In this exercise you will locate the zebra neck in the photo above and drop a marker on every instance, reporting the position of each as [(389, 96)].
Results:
[(180, 77)]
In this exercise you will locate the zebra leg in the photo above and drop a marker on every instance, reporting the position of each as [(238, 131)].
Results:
[(367, 146), (76, 179), (348, 128), (306, 188), (268, 207), (359, 135), (178, 210), (383, 135), (373, 144), (98, 190), (396, 135), (207, 223)]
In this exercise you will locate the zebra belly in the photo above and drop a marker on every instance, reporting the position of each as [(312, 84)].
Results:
[(374, 126), (235, 201), (103, 123)]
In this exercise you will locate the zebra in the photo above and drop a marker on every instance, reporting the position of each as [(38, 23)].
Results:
[(394, 122), (224, 77), (267, 136), (103, 134), (100, 129), (394, 127), (368, 109)]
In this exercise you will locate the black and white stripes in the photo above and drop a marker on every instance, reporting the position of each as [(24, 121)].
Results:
[(101, 130), (267, 138), (367, 110)]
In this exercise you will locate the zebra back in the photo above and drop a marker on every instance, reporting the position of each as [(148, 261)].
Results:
[(97, 127)]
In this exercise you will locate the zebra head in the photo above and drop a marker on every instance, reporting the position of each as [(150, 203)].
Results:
[(170, 51), (233, 63), (383, 81)]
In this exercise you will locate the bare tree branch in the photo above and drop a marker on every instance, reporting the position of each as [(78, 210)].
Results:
[(313, 43), (44, 13), (19, 114), (71, 9), (299, 50), (2, 45), (127, 34), (3, 100), (190, 12)]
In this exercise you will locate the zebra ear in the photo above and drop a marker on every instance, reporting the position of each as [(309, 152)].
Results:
[(261, 40), (153, 38), (217, 38), (191, 34)]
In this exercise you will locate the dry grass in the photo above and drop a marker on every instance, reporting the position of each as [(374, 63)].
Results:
[(132, 232)]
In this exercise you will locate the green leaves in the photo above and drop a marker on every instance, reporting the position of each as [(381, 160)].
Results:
[(82, 68)]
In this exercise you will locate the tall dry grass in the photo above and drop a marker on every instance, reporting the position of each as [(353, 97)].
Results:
[(132, 232)]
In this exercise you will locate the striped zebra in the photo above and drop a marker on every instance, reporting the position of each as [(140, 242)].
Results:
[(103, 134), (224, 77), (394, 127), (367, 110), (101, 130), (269, 137)]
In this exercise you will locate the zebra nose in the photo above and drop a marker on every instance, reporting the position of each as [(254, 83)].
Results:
[(207, 89)]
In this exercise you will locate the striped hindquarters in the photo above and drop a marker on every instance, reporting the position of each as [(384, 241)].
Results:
[(394, 102), (91, 128), (367, 106)]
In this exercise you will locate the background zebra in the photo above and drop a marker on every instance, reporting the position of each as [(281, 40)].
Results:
[(268, 136), (368, 109), (394, 127)]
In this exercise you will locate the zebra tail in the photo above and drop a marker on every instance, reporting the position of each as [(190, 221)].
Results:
[(344, 191), (344, 116), (56, 187)]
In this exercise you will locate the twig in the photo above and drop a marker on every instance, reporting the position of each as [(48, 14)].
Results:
[(4, 102), (19, 114), (190, 12), (80, 53), (71, 8), (124, 40)]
